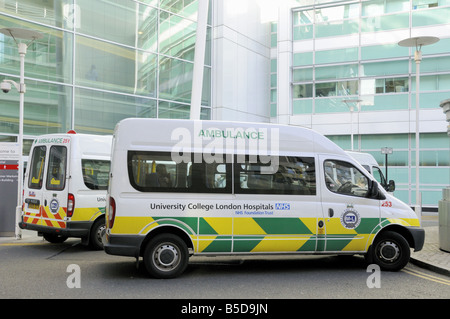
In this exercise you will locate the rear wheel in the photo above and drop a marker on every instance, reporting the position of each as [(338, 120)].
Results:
[(166, 256), (96, 235), (55, 238), (391, 251)]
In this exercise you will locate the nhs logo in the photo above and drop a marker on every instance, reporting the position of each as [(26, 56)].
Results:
[(282, 206)]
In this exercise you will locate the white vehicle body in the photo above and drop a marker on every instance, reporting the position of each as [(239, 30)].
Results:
[(65, 187), (179, 188)]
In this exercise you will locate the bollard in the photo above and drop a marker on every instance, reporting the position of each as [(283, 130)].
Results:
[(444, 220)]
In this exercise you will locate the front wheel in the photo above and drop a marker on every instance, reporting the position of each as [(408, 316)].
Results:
[(391, 251), (166, 256)]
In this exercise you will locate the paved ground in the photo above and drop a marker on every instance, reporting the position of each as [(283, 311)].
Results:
[(431, 256)]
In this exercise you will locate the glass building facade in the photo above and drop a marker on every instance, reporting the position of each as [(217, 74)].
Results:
[(349, 51), (99, 62), (290, 62)]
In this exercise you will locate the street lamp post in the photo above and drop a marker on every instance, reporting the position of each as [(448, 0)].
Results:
[(386, 151), (418, 42), (352, 108), (24, 34)]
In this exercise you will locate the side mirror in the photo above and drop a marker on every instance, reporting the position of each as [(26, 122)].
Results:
[(391, 186)]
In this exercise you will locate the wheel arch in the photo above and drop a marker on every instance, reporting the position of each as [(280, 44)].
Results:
[(402, 230), (166, 229)]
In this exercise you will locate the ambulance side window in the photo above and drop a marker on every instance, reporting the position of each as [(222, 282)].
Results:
[(95, 173), (161, 172), (37, 167), (56, 173), (345, 179), (291, 175)]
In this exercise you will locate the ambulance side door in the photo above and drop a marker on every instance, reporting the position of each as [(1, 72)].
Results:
[(349, 212), (34, 186), (55, 187)]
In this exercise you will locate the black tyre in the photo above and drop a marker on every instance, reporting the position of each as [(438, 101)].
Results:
[(391, 251), (55, 238), (166, 256), (96, 235)]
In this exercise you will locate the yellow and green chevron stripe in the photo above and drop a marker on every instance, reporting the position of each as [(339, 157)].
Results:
[(265, 234), (87, 213)]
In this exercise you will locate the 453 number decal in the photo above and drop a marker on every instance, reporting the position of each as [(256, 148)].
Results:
[(386, 204)]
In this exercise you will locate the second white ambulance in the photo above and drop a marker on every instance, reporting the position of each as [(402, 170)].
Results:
[(65, 187)]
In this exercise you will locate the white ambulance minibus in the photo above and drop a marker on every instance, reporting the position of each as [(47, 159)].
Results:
[(179, 188), (65, 187)]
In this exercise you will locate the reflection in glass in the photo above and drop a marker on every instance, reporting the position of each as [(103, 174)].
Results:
[(175, 80), (111, 67), (49, 58), (98, 112), (176, 36)]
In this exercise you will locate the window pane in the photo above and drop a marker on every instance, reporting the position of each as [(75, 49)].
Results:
[(302, 106), (56, 173), (113, 20), (48, 58), (302, 59), (430, 17), (343, 178), (99, 112), (383, 52), (170, 110), (186, 8), (303, 32), (302, 91), (177, 36), (337, 28), (376, 172), (342, 88), (336, 56), (175, 80), (95, 173), (300, 75), (381, 86), (150, 171), (37, 167), (111, 67), (384, 102), (160, 171), (337, 72), (385, 68), (295, 175), (337, 13), (304, 17), (148, 28), (54, 13), (46, 110), (383, 23)]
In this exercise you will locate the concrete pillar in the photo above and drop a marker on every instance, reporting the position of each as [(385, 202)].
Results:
[(284, 67), (444, 204)]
